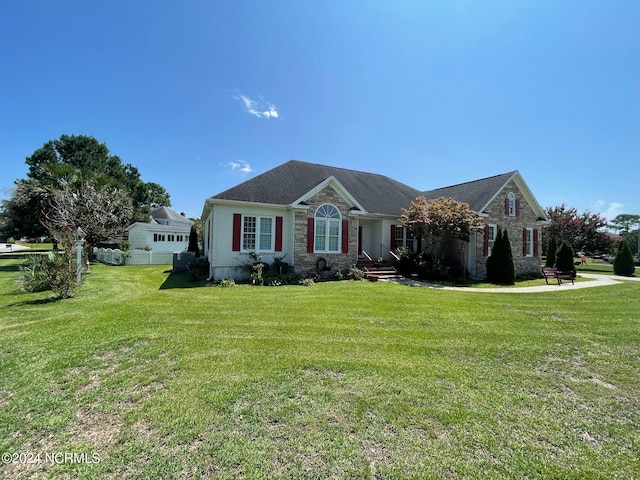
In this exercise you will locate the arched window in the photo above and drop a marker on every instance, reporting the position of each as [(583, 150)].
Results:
[(511, 199), (328, 227)]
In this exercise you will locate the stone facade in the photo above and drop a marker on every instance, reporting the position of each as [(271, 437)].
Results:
[(526, 218), (306, 263)]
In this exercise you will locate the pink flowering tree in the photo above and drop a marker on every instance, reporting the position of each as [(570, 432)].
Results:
[(439, 221), (585, 231)]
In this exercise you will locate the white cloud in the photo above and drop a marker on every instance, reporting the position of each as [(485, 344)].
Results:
[(239, 166), (609, 210), (258, 108)]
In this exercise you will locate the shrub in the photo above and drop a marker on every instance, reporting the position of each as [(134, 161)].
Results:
[(56, 271), (564, 258), (500, 266), (227, 283), (407, 261), (307, 282), (355, 273), (551, 252), (623, 264), (199, 269), (279, 266), (430, 270), (33, 276)]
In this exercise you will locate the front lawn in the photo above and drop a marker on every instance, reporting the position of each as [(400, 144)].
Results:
[(337, 380)]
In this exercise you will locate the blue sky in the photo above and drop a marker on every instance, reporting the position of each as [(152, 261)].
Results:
[(201, 95)]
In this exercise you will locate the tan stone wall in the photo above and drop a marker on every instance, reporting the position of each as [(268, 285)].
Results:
[(305, 263), (514, 225)]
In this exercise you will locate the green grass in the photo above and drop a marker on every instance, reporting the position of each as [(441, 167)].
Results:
[(37, 246), (337, 380)]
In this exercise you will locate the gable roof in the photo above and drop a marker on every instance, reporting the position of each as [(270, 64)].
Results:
[(477, 193), (292, 180), (165, 213)]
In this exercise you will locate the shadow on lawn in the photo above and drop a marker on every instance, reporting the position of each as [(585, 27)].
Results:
[(181, 280), (40, 301), (11, 256)]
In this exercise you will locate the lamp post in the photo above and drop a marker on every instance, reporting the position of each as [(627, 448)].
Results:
[(79, 243)]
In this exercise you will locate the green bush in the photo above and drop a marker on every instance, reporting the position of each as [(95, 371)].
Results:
[(407, 261), (55, 271), (355, 273), (199, 269), (551, 252), (279, 266), (564, 258), (623, 264), (227, 283), (500, 266)]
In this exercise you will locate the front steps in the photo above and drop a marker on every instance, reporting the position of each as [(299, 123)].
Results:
[(376, 271)]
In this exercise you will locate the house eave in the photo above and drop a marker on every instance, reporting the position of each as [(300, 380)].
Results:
[(210, 202)]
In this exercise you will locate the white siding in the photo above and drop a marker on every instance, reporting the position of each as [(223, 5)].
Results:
[(224, 261), (141, 237), (138, 237)]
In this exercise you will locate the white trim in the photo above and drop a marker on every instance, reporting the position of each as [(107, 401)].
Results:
[(490, 243), (530, 241), (210, 202), (258, 219), (328, 221)]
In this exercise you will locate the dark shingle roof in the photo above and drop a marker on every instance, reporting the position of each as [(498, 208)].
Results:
[(288, 182), (477, 194), (376, 193)]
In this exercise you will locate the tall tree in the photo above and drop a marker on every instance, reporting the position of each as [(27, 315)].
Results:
[(100, 211), (624, 222), (193, 241), (439, 221), (21, 214), (68, 163)]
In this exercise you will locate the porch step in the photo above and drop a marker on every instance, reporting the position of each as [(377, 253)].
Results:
[(377, 272)]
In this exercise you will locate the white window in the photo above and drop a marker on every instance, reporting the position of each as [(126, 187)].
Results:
[(512, 204), (493, 231), (403, 237), (328, 228), (257, 234), (528, 248)]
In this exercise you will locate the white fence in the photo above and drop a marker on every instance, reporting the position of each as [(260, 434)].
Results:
[(133, 257)]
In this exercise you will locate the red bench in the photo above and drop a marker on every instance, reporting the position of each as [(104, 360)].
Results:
[(551, 272)]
